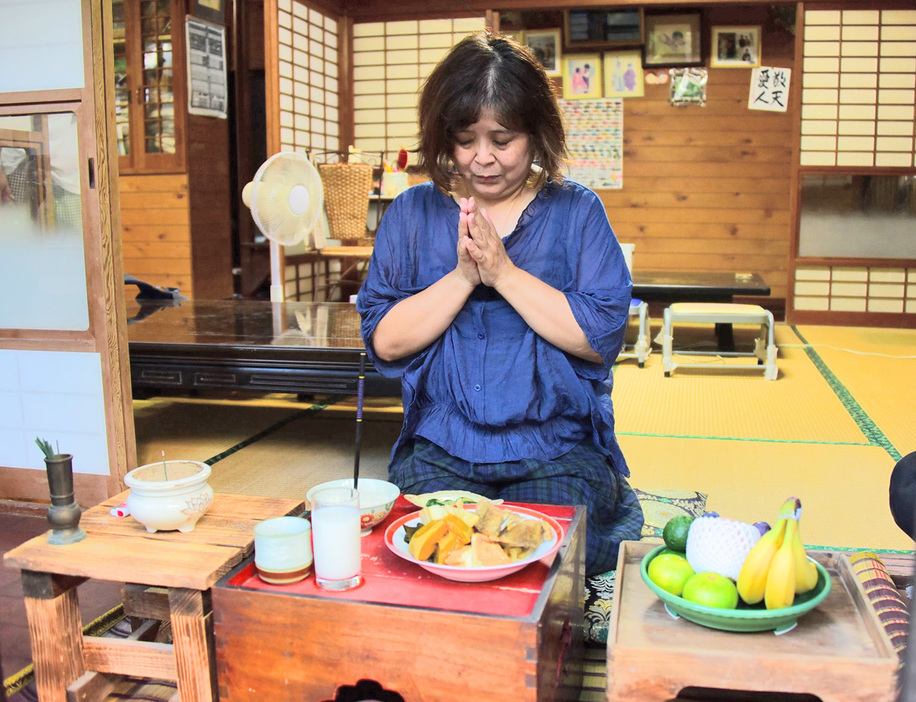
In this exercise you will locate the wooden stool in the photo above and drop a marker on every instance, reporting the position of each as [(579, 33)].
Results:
[(641, 348), (121, 550), (720, 314)]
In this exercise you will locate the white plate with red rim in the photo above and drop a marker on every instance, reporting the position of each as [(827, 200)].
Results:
[(394, 540)]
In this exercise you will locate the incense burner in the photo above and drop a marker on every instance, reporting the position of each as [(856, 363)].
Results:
[(169, 495)]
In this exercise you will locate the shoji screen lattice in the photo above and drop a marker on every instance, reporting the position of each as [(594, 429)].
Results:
[(859, 87), (390, 62), (308, 67)]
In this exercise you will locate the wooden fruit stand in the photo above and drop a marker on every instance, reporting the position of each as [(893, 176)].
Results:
[(837, 652)]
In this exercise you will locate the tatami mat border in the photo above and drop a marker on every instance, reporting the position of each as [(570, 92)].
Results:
[(743, 438), (865, 423), (314, 409)]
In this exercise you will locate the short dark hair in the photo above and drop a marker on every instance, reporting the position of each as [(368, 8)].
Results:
[(486, 70)]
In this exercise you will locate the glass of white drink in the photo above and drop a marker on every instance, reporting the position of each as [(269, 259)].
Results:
[(336, 538)]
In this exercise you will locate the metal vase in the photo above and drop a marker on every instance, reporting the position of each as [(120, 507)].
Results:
[(63, 514)]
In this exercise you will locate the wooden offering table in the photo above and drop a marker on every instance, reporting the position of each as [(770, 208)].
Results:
[(838, 651), (408, 631), (119, 549)]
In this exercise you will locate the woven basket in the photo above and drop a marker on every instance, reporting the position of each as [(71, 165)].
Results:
[(346, 197)]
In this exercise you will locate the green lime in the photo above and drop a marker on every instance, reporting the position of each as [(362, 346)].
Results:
[(675, 533), (670, 571)]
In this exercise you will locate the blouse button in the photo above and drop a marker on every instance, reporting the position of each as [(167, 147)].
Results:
[(480, 336), (477, 387)]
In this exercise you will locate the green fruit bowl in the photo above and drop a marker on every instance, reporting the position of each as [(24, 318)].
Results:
[(746, 617)]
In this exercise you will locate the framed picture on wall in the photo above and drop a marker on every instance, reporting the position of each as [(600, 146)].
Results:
[(545, 44), (623, 76), (603, 28), (582, 76), (212, 10), (735, 47), (674, 40)]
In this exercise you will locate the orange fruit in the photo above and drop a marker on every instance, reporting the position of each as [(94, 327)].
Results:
[(670, 571), (711, 590)]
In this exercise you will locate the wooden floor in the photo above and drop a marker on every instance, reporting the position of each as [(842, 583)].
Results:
[(829, 429)]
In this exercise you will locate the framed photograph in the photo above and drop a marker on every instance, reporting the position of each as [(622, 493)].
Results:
[(623, 76), (211, 10), (582, 76), (735, 47), (545, 44), (674, 40), (603, 29)]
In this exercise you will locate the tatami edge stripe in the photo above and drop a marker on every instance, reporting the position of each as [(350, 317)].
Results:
[(743, 438), (314, 409), (865, 423)]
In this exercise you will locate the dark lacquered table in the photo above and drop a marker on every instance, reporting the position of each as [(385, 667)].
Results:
[(293, 347), (696, 286)]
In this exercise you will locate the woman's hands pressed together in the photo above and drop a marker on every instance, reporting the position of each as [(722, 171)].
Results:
[(482, 256)]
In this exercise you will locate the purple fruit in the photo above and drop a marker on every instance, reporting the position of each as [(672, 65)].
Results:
[(710, 514), (763, 527)]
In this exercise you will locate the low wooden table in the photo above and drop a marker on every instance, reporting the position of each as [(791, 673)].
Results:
[(120, 549), (838, 651), (519, 638)]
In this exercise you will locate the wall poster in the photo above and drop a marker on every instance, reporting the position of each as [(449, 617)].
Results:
[(207, 82), (594, 135)]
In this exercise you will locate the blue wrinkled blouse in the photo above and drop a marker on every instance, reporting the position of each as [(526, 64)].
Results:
[(489, 389)]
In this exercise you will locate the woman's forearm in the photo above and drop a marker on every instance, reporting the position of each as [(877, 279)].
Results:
[(547, 312), (417, 321)]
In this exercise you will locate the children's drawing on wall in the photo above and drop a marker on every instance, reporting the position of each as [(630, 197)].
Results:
[(594, 136), (623, 74), (582, 76)]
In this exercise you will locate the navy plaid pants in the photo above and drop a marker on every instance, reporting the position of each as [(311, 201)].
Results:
[(580, 477)]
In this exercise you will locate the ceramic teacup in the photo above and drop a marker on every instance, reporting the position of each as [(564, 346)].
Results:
[(283, 550)]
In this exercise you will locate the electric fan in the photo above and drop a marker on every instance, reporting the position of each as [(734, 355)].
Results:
[(285, 198)]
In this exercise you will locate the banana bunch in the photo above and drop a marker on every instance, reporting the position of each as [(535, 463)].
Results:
[(777, 568)]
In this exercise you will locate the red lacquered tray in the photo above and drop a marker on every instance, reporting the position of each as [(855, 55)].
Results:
[(390, 580)]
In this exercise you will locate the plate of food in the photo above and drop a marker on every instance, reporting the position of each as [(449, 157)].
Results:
[(474, 542)]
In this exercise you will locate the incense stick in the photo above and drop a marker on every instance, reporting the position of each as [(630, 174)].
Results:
[(359, 417), (165, 468)]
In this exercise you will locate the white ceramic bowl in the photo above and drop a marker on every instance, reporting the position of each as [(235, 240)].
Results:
[(376, 498), (169, 497)]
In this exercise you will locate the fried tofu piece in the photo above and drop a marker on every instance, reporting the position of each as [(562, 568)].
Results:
[(491, 518), (525, 533)]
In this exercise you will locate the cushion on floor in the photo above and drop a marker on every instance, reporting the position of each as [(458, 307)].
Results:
[(658, 507)]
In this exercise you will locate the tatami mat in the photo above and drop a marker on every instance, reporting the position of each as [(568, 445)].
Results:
[(843, 489), (196, 430), (310, 450), (878, 369), (699, 403)]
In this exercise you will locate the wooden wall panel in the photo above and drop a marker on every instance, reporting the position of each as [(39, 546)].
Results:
[(210, 207), (708, 188), (156, 230)]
